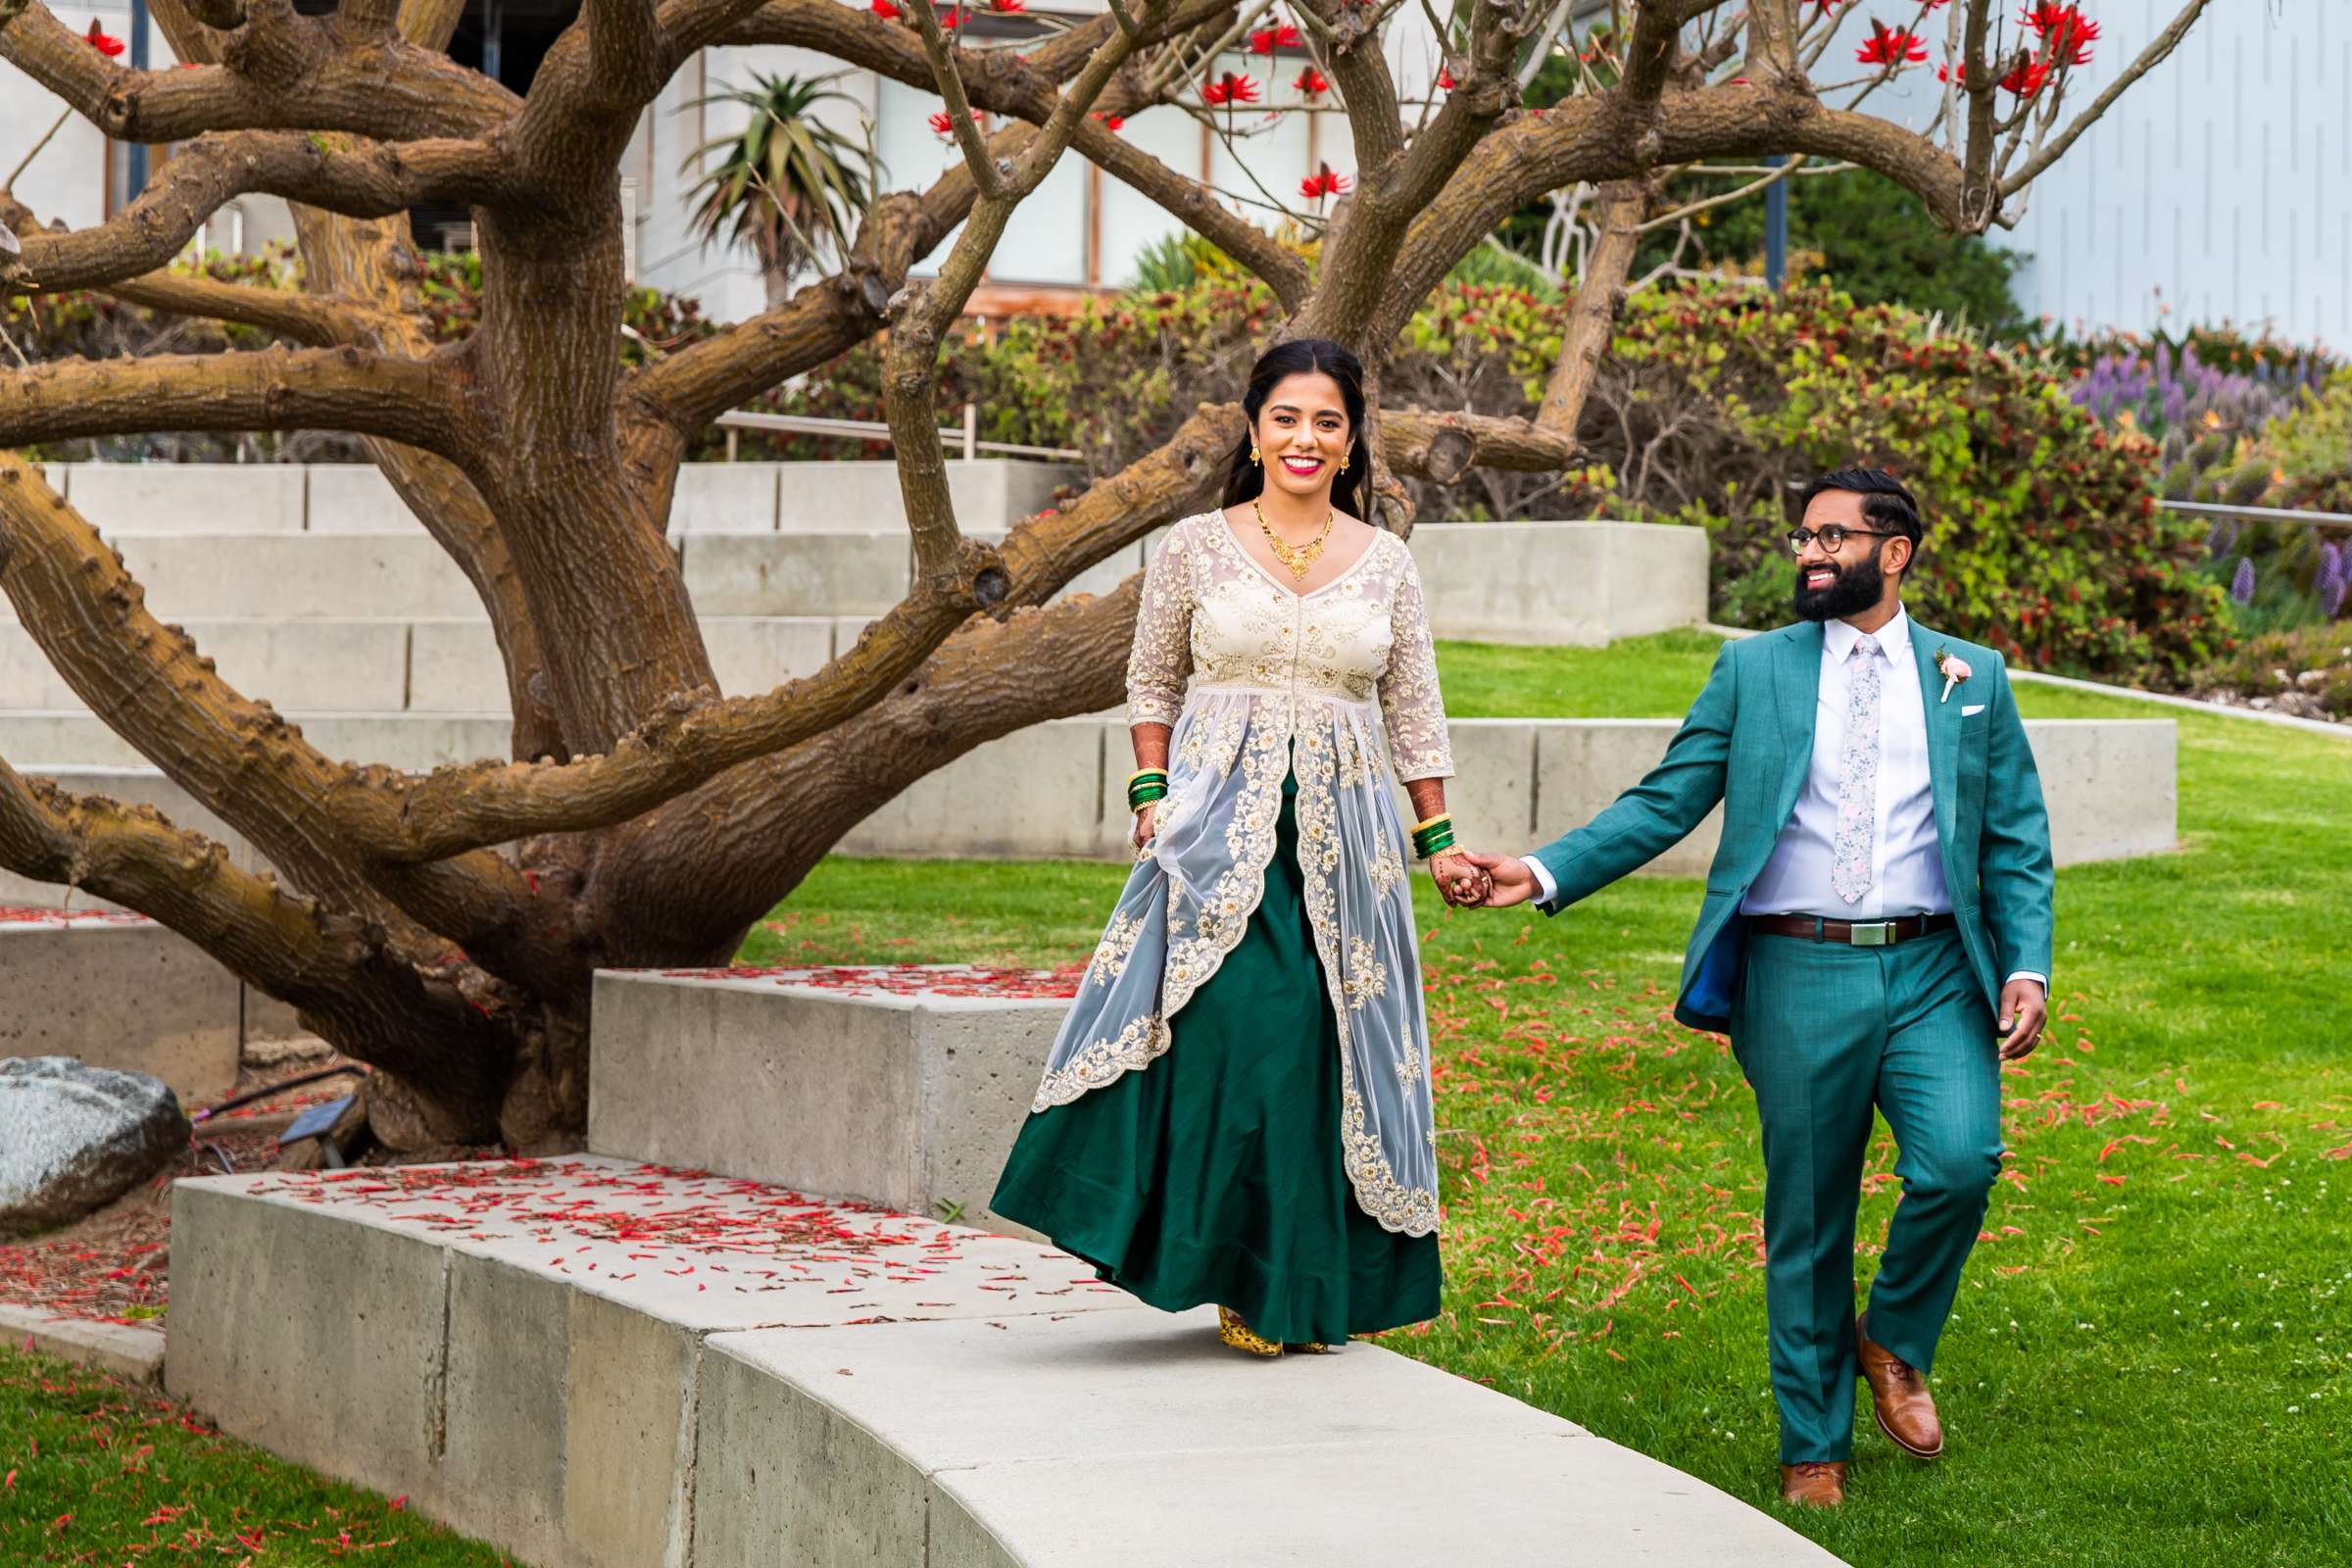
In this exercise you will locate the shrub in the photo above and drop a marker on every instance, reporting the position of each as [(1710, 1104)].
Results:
[(2045, 539), (2160, 391), (2043, 536)]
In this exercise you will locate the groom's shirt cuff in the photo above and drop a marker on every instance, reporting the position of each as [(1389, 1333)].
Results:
[(2042, 980), (1551, 890)]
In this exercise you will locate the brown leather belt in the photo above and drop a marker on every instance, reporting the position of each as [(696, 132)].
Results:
[(1859, 933)]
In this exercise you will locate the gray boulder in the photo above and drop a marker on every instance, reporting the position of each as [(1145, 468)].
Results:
[(73, 1137)]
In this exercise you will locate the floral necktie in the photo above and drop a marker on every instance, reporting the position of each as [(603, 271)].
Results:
[(1858, 778)]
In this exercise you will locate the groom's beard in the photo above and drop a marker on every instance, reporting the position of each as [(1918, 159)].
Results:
[(1858, 588)]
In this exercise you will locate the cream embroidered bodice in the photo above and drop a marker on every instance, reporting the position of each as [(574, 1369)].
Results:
[(1213, 614)]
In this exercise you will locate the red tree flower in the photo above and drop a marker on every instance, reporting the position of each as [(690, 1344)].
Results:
[(1007, 7), (2064, 31), (885, 10), (104, 42), (1446, 79), (943, 125), (1110, 122), (1313, 83), (1265, 40), (1231, 89), (1323, 182), (1892, 46), (2026, 79)]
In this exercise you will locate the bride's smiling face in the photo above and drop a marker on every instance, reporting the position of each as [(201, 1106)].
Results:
[(1302, 433)]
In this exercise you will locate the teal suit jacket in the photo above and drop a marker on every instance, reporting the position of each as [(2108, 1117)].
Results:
[(1748, 742)]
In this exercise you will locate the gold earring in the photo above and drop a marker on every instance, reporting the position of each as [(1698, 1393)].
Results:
[(1343, 463), (1254, 457)]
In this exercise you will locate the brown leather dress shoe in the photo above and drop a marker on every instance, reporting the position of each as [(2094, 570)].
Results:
[(1814, 1482), (1898, 1393)]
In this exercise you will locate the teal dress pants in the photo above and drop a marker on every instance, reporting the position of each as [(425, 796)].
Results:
[(1825, 1032)]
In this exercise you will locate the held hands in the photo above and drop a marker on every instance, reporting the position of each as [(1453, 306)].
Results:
[(1508, 880), (2023, 1011), (1461, 880), (1464, 879)]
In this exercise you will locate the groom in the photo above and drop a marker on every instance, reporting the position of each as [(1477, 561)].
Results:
[(1881, 895)]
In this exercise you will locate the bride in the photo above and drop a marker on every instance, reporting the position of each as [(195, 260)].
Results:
[(1237, 1109)]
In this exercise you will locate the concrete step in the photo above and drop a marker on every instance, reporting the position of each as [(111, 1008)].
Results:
[(48, 741), (1536, 583), (2112, 784), (342, 577), (332, 497), (591, 1361), (436, 666)]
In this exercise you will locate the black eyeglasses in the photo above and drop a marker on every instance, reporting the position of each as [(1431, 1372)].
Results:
[(1833, 538)]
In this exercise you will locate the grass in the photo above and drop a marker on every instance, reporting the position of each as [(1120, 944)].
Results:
[(98, 1471), (2148, 1362)]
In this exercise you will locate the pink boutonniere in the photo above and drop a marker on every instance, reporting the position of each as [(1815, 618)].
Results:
[(1953, 670)]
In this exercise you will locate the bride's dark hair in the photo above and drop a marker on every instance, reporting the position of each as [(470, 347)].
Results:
[(1245, 481)]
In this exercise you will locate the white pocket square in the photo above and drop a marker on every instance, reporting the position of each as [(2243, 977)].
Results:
[(1967, 709)]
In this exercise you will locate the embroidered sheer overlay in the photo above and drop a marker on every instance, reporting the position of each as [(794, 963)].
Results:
[(1339, 686)]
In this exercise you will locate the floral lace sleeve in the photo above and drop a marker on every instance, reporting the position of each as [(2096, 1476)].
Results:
[(1409, 702), (1162, 656)]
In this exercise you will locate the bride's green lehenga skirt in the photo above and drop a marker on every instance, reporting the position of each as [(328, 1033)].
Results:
[(1214, 1173)]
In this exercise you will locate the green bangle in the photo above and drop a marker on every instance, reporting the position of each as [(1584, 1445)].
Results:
[(1144, 794), (1431, 846)]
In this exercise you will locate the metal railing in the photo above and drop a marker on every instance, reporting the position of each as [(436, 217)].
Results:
[(2216, 509), (968, 437)]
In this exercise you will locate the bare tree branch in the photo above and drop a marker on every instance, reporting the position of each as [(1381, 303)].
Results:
[(374, 181), (1600, 298), (2157, 50), (388, 89), (1442, 447), (314, 320), (698, 383), (267, 389), (149, 684)]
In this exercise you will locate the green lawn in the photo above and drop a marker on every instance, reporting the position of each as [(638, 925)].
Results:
[(2148, 1365), (99, 1472)]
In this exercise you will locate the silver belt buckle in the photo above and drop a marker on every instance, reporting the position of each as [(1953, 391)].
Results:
[(1875, 934)]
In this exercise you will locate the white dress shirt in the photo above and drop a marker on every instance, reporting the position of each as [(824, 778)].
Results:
[(1906, 857), (1906, 861)]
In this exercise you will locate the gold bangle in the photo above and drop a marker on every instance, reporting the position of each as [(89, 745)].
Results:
[(1441, 816), (1141, 772)]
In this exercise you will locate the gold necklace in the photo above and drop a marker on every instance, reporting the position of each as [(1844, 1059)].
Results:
[(1303, 559)]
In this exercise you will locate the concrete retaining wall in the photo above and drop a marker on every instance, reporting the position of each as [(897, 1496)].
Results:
[(520, 1375), (121, 993), (1554, 584), (922, 1094), (593, 1364), (2112, 784), (271, 603)]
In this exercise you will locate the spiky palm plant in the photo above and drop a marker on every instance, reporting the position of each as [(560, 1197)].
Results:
[(788, 183)]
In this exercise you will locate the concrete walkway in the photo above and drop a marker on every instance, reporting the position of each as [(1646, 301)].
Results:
[(591, 1361)]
